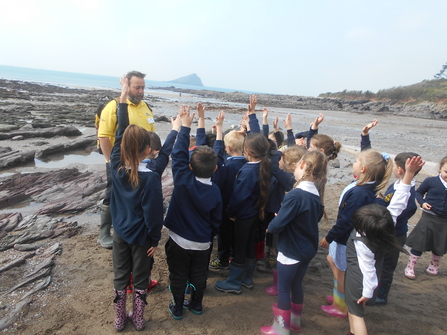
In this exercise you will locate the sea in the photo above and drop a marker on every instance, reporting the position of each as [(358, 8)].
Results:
[(71, 79)]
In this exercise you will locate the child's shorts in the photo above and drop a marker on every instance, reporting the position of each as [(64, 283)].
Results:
[(338, 254)]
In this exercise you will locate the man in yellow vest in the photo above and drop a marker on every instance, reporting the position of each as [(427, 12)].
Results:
[(139, 114)]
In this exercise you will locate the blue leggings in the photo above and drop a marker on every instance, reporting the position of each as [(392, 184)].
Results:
[(290, 278)]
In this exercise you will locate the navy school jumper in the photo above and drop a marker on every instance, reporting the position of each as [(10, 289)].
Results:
[(137, 213), (195, 211)]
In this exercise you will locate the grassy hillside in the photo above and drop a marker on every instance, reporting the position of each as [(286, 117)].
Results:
[(428, 90)]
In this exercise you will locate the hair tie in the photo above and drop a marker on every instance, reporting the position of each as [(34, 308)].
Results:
[(385, 156)]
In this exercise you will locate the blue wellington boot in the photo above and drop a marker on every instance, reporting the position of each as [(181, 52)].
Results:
[(247, 278), (233, 283)]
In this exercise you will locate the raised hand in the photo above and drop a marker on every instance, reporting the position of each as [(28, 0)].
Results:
[(124, 81), (412, 166), (186, 117), (365, 130), (314, 125), (252, 104), (288, 122), (275, 124), (220, 119), (176, 123)]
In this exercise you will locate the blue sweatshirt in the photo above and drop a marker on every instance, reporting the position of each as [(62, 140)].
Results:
[(353, 199), (244, 200), (435, 194), (297, 225), (137, 214), (195, 211), (280, 183)]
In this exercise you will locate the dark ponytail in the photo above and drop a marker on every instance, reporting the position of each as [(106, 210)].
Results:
[(258, 147)]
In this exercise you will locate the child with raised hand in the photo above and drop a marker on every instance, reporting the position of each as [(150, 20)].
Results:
[(283, 164), (297, 226), (373, 171), (373, 235), (136, 205), (365, 143), (232, 145), (430, 233), (246, 206), (193, 218), (404, 177), (321, 142)]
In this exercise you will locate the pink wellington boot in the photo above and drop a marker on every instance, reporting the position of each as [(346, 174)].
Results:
[(136, 316), (273, 290), (409, 270), (295, 317), (433, 268), (120, 310), (281, 322)]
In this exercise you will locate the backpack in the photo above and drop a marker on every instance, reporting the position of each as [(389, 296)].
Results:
[(101, 106)]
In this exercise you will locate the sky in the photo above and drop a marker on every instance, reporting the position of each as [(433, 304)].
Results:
[(294, 47)]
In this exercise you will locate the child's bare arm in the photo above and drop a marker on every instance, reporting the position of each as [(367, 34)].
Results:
[(288, 122), (265, 114), (219, 124), (201, 115), (252, 104), (366, 129), (275, 124)]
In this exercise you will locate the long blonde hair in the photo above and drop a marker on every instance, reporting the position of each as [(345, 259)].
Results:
[(316, 170), (379, 168), (135, 141)]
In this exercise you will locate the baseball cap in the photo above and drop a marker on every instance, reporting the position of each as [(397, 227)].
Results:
[(302, 134)]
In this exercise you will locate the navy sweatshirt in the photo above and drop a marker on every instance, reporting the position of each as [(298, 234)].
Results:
[(137, 214), (297, 225), (401, 226), (435, 194), (243, 201), (226, 172), (280, 183), (195, 211), (353, 199), (159, 164)]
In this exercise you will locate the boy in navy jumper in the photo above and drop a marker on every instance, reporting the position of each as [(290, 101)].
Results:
[(193, 218)]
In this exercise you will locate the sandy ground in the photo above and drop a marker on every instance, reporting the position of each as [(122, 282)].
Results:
[(79, 299)]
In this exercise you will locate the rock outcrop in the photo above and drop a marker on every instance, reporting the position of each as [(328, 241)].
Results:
[(192, 79)]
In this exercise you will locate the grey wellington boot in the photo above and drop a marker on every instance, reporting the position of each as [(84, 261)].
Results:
[(104, 238)]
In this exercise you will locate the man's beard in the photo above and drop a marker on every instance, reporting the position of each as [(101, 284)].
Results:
[(135, 99)]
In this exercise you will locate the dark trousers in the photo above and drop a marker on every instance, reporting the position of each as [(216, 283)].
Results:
[(106, 200), (390, 261), (129, 258), (290, 278), (268, 216), (244, 239), (186, 265), (225, 239)]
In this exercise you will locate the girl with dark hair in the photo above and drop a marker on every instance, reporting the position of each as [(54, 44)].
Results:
[(372, 237), (136, 204), (246, 207)]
